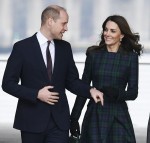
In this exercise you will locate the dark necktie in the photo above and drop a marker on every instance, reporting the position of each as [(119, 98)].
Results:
[(49, 60)]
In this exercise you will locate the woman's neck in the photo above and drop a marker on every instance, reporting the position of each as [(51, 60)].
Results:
[(113, 48)]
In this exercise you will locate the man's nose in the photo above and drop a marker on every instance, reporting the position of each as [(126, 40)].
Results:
[(66, 28)]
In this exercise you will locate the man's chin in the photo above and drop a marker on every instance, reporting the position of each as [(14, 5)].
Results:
[(59, 38)]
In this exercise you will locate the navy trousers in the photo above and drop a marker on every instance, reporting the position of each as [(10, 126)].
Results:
[(51, 135)]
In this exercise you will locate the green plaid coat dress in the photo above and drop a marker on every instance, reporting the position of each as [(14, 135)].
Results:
[(116, 74)]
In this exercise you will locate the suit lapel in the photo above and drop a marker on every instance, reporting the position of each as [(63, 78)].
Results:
[(38, 56), (56, 61)]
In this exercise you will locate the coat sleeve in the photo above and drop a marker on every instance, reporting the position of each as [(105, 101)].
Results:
[(132, 89), (12, 75), (80, 101), (73, 83)]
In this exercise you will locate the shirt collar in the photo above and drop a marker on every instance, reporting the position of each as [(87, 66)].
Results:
[(42, 39)]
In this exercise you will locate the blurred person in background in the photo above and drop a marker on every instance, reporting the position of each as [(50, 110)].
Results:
[(44, 65), (148, 131), (112, 67)]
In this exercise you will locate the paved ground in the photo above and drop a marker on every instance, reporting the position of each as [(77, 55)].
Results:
[(8, 134)]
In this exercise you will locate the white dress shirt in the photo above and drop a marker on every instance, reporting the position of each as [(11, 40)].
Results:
[(43, 45)]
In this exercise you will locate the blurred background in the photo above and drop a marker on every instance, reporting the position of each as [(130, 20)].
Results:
[(21, 18)]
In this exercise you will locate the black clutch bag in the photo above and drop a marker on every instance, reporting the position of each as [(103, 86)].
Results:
[(73, 139)]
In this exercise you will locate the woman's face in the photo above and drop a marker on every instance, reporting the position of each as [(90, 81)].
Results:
[(112, 34)]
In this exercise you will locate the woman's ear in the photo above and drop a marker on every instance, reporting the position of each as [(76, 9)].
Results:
[(122, 35)]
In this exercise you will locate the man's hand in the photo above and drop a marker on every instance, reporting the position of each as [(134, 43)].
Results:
[(74, 127), (97, 95), (48, 97)]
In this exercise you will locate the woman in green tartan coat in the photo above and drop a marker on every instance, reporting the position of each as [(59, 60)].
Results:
[(112, 67)]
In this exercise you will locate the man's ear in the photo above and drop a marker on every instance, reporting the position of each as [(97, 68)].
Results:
[(50, 21)]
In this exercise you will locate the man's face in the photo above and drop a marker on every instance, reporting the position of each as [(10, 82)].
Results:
[(59, 26)]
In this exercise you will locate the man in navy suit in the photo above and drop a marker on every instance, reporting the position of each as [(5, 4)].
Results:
[(42, 112)]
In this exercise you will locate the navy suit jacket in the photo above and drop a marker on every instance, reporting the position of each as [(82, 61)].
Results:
[(26, 74)]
